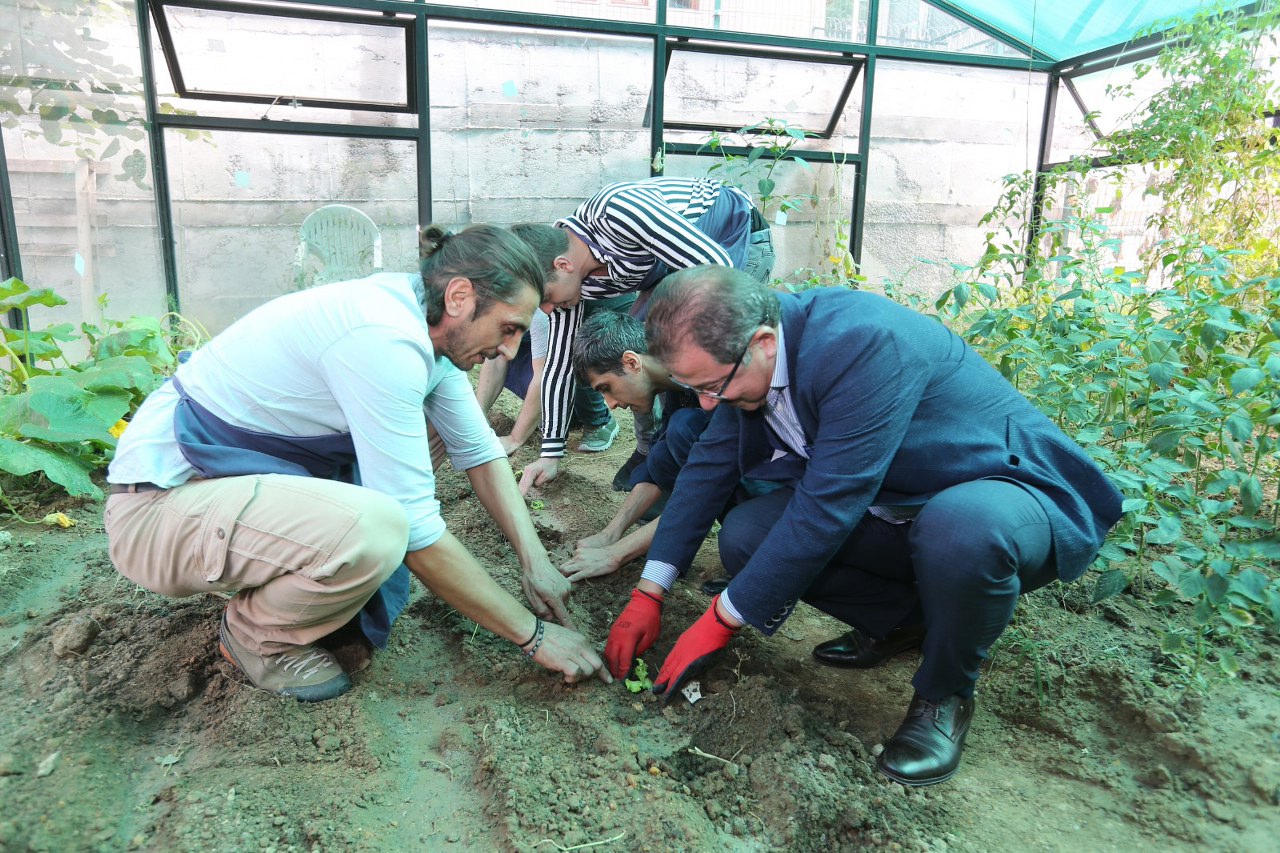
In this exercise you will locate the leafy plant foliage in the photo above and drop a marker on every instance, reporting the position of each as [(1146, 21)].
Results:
[(769, 145), (59, 417), (1169, 373)]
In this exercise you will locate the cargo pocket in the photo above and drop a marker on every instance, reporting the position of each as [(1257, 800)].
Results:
[(234, 494)]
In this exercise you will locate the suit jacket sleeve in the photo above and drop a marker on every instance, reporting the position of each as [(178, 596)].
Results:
[(702, 490)]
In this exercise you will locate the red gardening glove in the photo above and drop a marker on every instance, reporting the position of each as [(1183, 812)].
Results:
[(704, 638), (633, 632)]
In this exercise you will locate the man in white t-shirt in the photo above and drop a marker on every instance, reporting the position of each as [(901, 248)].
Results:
[(231, 476)]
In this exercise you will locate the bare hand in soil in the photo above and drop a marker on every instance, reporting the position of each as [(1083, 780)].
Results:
[(589, 563), (510, 444), (548, 592), (603, 539), (539, 472), (569, 652)]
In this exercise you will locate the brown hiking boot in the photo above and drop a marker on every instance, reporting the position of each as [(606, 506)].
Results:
[(306, 673)]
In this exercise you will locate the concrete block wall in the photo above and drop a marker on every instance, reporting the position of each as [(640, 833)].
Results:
[(524, 125), (942, 138)]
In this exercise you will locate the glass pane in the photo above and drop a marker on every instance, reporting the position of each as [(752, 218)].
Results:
[(640, 11), (283, 111), (729, 92), (79, 165), (914, 23), (811, 236), (942, 139), (1072, 134), (239, 200), (525, 124), (840, 20), (272, 56)]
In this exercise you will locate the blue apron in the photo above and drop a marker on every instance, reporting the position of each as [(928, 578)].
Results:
[(215, 448)]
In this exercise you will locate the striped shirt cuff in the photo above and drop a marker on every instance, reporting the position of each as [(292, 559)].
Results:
[(729, 608), (553, 446), (663, 574)]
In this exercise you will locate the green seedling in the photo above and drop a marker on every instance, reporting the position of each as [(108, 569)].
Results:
[(537, 504), (642, 681)]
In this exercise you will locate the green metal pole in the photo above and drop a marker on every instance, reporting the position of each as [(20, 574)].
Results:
[(10, 254), (159, 161), (657, 157), (857, 222), (1036, 216), (423, 103)]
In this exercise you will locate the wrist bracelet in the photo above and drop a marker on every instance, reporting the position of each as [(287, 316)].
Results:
[(537, 626), (538, 634)]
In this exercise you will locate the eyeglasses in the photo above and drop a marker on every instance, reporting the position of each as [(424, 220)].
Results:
[(718, 394)]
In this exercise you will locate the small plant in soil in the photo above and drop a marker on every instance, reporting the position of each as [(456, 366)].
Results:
[(642, 681)]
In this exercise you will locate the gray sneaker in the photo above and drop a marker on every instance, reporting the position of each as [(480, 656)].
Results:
[(599, 439), (306, 673)]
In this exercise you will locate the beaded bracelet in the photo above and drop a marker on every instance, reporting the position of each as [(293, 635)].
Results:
[(538, 633)]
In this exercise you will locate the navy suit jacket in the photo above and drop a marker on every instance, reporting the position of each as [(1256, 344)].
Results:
[(895, 408)]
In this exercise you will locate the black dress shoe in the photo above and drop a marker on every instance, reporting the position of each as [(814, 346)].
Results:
[(715, 586), (856, 650), (926, 748)]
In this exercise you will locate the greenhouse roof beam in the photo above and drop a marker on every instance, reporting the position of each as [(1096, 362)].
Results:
[(1135, 50), (990, 29), (835, 157), (293, 128)]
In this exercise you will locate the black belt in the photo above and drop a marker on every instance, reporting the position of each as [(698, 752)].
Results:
[(131, 488)]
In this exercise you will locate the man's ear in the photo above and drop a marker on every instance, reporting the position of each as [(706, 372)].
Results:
[(562, 264), (631, 362), (768, 340), (458, 294)]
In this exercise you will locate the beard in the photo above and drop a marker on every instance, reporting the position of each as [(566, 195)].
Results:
[(455, 349)]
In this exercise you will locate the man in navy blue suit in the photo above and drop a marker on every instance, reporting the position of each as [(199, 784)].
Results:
[(933, 493)]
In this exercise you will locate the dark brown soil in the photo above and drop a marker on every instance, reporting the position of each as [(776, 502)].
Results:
[(121, 728)]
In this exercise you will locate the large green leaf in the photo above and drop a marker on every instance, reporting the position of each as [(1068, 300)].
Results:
[(1245, 379), (1168, 530), (1164, 372), (23, 460), (15, 293), (123, 373), (1266, 548), (62, 412), (1109, 583), (36, 346)]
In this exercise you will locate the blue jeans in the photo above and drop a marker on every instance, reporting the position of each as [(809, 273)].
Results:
[(760, 256), (958, 568)]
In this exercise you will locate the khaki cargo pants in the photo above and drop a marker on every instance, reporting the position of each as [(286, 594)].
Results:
[(305, 554)]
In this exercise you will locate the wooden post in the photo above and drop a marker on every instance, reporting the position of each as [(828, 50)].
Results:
[(86, 222)]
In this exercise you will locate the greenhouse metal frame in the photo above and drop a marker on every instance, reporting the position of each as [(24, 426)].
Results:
[(413, 19)]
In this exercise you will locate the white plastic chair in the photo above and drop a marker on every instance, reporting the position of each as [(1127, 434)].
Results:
[(344, 240)]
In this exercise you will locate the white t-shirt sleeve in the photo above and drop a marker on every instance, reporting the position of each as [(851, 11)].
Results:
[(379, 380), (539, 335), (452, 408)]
